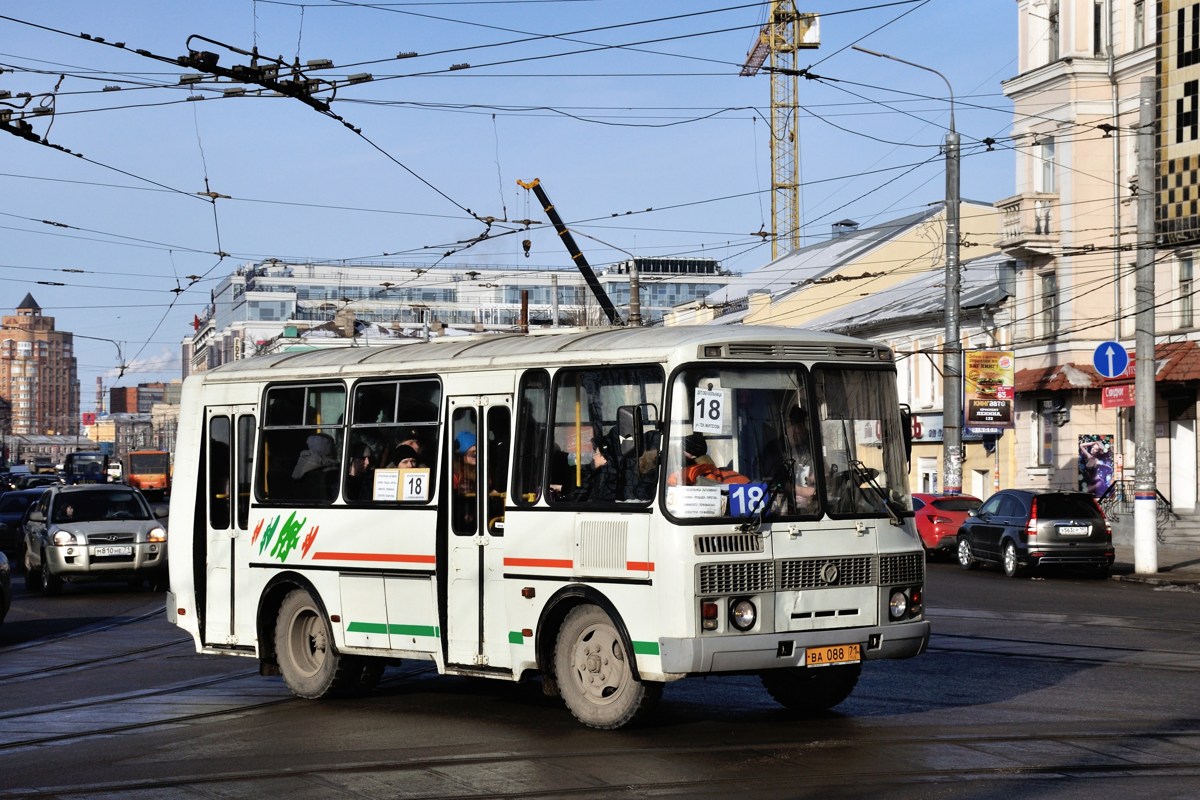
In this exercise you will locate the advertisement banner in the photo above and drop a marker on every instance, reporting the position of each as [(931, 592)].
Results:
[(1120, 396), (988, 390), (1096, 462)]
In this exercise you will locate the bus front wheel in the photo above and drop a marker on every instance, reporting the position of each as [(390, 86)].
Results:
[(594, 672), (310, 664), (811, 689)]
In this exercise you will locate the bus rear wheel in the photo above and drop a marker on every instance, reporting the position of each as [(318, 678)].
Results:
[(309, 662), (594, 672), (811, 689)]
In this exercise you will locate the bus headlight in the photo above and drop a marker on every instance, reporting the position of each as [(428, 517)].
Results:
[(742, 614), (898, 604)]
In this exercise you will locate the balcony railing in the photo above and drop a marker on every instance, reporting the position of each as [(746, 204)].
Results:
[(1029, 225)]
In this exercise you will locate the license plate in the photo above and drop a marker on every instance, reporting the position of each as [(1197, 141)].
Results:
[(832, 654), (113, 550), (1075, 530)]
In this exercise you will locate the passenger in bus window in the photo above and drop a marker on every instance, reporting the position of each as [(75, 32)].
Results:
[(410, 438), (696, 460), (789, 461), (603, 482), (464, 481), (405, 458), (316, 468), (465, 461), (360, 478)]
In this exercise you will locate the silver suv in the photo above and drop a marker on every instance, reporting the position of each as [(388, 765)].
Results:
[(93, 532)]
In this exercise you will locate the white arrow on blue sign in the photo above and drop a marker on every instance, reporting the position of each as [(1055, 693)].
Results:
[(1110, 359)]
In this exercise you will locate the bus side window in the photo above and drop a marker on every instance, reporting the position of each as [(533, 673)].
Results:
[(464, 495), (499, 420), (219, 501), (244, 467), (300, 449), (532, 414)]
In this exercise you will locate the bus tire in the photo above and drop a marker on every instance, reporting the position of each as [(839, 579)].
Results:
[(811, 689), (594, 672), (310, 664)]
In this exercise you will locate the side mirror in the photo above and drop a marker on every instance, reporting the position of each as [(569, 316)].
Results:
[(906, 427), (36, 516)]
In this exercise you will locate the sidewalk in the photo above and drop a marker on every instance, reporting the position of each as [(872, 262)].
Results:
[(1178, 562)]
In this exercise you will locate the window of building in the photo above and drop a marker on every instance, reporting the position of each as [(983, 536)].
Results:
[(1052, 30), (1044, 172), (1048, 302), (1186, 291), (1042, 436), (1139, 24), (1099, 27)]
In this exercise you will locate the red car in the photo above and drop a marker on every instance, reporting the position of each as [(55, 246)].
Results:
[(937, 518)]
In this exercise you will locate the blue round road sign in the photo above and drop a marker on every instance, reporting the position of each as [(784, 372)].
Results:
[(1110, 359)]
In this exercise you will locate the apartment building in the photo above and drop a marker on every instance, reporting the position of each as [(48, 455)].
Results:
[(39, 378), (1072, 229)]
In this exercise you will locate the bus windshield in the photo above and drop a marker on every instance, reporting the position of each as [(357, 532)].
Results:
[(153, 461), (785, 443)]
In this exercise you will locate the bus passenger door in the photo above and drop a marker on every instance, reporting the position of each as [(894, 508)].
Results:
[(480, 444), (229, 456)]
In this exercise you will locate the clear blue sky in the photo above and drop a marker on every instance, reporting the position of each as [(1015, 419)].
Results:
[(616, 106)]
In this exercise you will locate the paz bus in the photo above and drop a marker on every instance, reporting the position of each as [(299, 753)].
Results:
[(521, 506), (150, 471)]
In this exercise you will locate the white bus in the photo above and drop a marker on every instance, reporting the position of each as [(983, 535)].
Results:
[(610, 510)]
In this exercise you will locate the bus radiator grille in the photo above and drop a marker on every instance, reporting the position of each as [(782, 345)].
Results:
[(818, 573), (902, 568), (741, 578)]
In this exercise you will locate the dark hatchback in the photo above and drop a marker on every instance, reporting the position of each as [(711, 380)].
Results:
[(13, 505), (1023, 529)]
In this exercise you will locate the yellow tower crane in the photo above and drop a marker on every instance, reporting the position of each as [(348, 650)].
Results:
[(785, 31)]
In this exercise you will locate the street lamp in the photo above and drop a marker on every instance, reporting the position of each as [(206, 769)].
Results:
[(952, 360)]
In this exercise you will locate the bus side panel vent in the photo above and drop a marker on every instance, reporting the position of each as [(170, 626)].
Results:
[(721, 543), (602, 544)]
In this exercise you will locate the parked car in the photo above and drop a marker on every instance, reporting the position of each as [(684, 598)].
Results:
[(1020, 529), (5, 586), (937, 518), (93, 532), (13, 505)]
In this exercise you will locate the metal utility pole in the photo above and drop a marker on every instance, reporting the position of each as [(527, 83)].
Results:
[(1145, 490), (952, 360)]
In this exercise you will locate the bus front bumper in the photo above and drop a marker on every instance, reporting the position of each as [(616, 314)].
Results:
[(756, 652)]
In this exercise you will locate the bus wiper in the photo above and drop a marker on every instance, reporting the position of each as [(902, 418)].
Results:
[(864, 475)]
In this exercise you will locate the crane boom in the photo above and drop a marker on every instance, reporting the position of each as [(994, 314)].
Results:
[(569, 241)]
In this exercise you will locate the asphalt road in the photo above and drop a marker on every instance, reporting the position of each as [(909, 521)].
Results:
[(1055, 686)]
